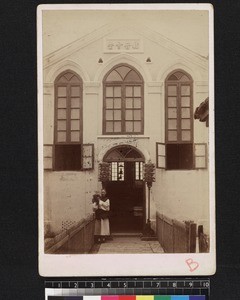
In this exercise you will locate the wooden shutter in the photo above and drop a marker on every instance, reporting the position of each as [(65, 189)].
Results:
[(87, 156), (161, 155), (200, 155)]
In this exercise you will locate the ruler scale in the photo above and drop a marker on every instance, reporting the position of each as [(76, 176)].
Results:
[(135, 288)]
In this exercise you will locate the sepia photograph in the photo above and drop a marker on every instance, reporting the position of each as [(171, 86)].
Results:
[(126, 140)]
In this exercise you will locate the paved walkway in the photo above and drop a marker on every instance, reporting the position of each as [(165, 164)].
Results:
[(129, 244)]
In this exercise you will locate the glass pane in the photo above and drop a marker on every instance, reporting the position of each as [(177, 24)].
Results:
[(61, 136), (137, 91), (75, 91), (62, 103), (75, 113), (184, 78), (75, 102), (123, 70), (129, 91), (172, 90), (109, 91), (75, 124), (172, 113), (75, 136), (129, 114), (109, 114), (185, 112), (117, 127), (129, 102), (109, 103), (172, 101), (185, 101), (161, 161), (61, 125), (117, 91), (137, 126), (137, 114), (185, 90), (137, 103), (62, 114), (117, 115), (172, 124), (186, 135), (62, 91), (129, 126), (109, 126), (117, 103), (114, 76), (133, 77), (200, 162), (186, 124), (172, 136), (200, 150)]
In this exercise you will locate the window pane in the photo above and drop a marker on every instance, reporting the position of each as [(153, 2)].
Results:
[(185, 112), (172, 135), (137, 126), (109, 103), (75, 124), (137, 91), (129, 91), (109, 91), (117, 91), (114, 76), (133, 77), (172, 90), (61, 136), (61, 125), (109, 126), (129, 102), (185, 101), (123, 70), (75, 102), (75, 136), (172, 101), (129, 114), (117, 115), (186, 135), (117, 103), (172, 124), (62, 91), (172, 113), (62, 103), (129, 126), (137, 114), (200, 162), (62, 114), (109, 114), (117, 127), (74, 113), (185, 90), (137, 103), (186, 124), (184, 78), (75, 91)]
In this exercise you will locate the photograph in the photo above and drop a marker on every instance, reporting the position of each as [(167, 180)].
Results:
[(126, 139)]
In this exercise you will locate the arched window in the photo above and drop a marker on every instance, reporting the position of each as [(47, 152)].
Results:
[(123, 106), (68, 121), (179, 120)]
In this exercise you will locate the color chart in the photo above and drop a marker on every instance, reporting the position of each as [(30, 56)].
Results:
[(179, 297)]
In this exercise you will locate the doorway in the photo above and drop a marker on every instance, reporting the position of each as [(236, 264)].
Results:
[(126, 190)]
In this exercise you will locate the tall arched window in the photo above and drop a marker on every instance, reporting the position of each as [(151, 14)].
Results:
[(179, 120), (123, 105), (68, 121)]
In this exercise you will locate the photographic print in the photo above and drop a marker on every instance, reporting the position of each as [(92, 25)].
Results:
[(126, 140)]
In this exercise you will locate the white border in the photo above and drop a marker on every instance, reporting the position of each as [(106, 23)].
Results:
[(127, 264)]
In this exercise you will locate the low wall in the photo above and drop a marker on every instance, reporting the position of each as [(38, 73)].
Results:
[(175, 236), (76, 240)]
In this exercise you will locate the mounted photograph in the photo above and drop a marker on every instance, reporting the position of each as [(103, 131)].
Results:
[(126, 140)]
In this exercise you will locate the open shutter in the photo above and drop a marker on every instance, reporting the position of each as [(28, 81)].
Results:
[(88, 156), (161, 155), (200, 155)]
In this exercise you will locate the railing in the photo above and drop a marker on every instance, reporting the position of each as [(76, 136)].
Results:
[(76, 240), (175, 236)]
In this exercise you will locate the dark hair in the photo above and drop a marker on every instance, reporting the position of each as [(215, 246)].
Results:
[(95, 198)]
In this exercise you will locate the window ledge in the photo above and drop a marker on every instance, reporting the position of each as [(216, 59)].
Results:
[(129, 136)]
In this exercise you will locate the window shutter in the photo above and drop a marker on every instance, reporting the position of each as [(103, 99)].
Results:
[(87, 156), (200, 155), (161, 155)]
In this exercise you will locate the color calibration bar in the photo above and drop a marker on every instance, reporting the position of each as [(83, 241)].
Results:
[(175, 297)]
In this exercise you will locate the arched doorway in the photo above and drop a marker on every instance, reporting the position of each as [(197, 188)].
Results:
[(126, 189)]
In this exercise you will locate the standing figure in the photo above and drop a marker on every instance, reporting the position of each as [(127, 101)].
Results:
[(101, 206)]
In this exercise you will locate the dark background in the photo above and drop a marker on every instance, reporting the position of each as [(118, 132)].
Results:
[(19, 277)]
